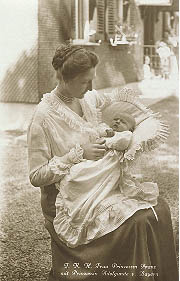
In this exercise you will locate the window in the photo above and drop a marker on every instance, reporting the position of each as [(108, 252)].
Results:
[(94, 20)]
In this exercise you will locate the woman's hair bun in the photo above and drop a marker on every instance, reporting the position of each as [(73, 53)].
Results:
[(73, 60), (62, 53)]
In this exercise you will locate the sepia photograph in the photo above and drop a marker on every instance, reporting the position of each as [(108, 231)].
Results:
[(89, 140)]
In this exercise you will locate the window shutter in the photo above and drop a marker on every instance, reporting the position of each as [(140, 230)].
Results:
[(73, 20), (133, 16), (111, 18), (63, 10), (100, 32)]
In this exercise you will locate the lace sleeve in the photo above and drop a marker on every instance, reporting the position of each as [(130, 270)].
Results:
[(43, 168), (61, 165)]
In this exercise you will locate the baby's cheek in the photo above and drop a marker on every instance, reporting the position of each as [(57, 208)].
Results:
[(122, 128)]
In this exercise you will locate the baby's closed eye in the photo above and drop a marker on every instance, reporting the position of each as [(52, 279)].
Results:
[(119, 120)]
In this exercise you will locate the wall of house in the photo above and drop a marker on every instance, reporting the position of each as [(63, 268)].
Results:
[(116, 66), (53, 27), (32, 33), (135, 19), (124, 63), (18, 58)]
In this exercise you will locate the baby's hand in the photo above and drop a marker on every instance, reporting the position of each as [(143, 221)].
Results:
[(110, 133), (120, 141)]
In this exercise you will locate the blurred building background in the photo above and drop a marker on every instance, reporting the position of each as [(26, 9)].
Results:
[(121, 32)]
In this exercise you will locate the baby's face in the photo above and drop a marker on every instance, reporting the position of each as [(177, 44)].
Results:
[(122, 122)]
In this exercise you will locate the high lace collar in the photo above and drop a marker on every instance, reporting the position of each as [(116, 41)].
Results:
[(86, 124)]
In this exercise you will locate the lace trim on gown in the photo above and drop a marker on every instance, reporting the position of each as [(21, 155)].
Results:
[(108, 216)]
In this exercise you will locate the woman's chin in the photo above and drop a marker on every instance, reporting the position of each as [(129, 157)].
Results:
[(81, 96)]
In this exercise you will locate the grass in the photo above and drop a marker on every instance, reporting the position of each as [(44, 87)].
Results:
[(164, 166)]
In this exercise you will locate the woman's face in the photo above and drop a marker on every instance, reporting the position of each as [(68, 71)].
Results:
[(78, 86)]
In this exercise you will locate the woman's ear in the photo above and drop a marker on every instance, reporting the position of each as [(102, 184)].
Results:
[(59, 75)]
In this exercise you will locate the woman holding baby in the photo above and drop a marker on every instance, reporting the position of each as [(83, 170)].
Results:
[(97, 214)]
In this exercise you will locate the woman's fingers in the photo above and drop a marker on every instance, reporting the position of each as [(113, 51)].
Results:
[(100, 141), (99, 152), (94, 151), (99, 146)]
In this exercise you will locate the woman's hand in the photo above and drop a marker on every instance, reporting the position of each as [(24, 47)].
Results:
[(94, 151)]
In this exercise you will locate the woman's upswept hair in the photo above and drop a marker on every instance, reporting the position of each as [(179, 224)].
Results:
[(72, 60)]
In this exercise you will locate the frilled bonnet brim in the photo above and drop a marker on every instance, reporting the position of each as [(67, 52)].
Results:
[(150, 130)]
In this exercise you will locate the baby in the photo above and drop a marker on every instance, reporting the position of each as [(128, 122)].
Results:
[(121, 122)]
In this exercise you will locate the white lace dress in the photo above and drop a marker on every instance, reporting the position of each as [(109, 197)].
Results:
[(97, 196)]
